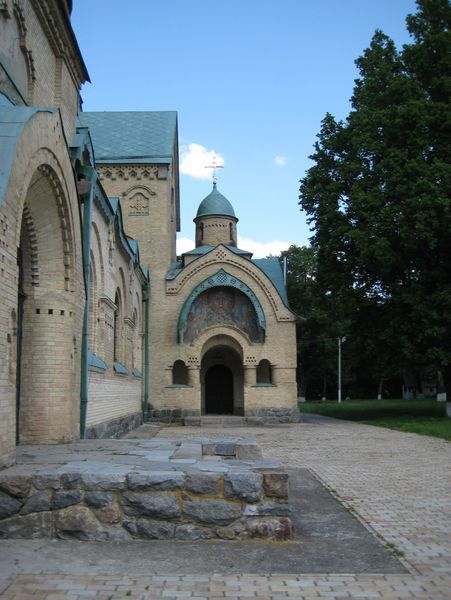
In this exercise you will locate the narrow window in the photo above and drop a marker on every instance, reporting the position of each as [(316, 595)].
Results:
[(264, 374), (116, 338), (179, 373)]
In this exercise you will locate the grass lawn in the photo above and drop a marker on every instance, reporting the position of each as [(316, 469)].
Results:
[(427, 417)]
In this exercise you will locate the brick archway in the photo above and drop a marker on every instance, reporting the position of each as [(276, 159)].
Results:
[(222, 380), (47, 353)]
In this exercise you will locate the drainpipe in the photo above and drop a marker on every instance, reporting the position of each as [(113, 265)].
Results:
[(86, 191), (146, 298)]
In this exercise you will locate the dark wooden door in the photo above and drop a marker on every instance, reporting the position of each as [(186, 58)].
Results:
[(219, 391)]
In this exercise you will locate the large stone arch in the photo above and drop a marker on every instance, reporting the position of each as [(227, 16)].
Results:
[(41, 240)]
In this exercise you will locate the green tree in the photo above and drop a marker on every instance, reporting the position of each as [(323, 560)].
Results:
[(378, 198), (319, 324)]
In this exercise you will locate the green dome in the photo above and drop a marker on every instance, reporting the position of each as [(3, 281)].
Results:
[(215, 204)]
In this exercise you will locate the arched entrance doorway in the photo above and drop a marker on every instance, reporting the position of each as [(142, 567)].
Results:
[(219, 390), (222, 381)]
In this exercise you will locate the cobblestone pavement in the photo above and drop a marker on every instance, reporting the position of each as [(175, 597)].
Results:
[(398, 484)]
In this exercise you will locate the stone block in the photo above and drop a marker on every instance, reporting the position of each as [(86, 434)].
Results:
[(269, 528), (108, 514), (38, 502), (131, 527), (98, 499), (103, 481), (192, 422), (255, 421), (32, 526), (230, 533), (267, 510), (45, 481), (248, 451), (203, 483), (70, 480), (152, 504), (77, 522), (216, 512), (192, 532), (208, 448), (8, 506), (156, 480), (15, 485), (275, 484), (155, 530), (244, 485), (225, 449), (63, 499)]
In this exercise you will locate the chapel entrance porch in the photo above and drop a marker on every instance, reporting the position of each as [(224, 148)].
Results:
[(222, 382)]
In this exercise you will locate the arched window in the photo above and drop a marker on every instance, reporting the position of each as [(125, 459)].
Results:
[(201, 231), (117, 327), (179, 373), (136, 343), (264, 374), (92, 336)]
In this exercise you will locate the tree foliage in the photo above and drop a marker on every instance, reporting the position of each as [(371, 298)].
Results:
[(377, 197)]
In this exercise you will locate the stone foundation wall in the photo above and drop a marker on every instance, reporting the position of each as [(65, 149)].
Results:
[(227, 494), (170, 415), (273, 415), (254, 417), (115, 428)]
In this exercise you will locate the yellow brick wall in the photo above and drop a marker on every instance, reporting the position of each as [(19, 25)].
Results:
[(152, 222), (113, 395), (216, 230), (40, 60), (41, 193)]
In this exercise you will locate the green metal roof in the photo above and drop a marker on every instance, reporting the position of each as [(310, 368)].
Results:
[(215, 204), (205, 249), (272, 269), (13, 120), (132, 137)]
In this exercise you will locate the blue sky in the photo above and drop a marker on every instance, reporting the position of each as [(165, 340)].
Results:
[(251, 81)]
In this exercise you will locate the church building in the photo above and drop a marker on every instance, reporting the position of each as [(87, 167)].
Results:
[(101, 324)]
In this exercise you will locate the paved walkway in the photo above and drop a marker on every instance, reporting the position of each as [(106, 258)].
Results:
[(399, 484)]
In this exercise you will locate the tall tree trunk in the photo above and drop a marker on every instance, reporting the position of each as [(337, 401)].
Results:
[(446, 372), (324, 388), (379, 391)]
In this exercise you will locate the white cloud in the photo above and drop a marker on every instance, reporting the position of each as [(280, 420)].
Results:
[(195, 158), (184, 244), (262, 249), (258, 249), (280, 160)]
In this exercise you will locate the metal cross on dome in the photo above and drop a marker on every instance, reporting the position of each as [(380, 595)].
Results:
[(214, 166)]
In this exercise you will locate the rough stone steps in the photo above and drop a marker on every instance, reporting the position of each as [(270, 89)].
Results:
[(223, 421)]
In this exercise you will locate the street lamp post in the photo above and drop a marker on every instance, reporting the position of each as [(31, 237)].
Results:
[(340, 341)]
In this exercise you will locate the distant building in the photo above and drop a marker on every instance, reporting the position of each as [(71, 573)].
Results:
[(94, 328)]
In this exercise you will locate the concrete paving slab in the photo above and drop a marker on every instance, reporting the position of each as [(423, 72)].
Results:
[(327, 539)]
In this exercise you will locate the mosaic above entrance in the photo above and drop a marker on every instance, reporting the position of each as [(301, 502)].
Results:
[(221, 300)]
